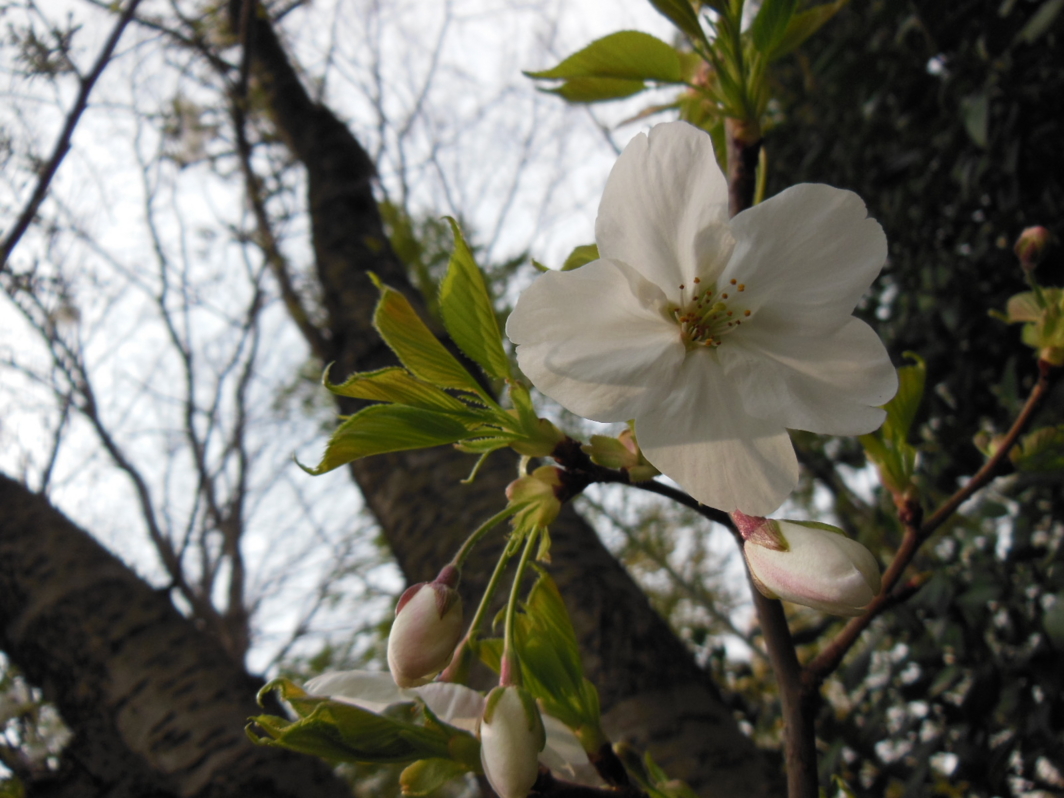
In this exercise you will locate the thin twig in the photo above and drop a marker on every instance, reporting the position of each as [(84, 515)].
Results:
[(917, 533), (62, 144)]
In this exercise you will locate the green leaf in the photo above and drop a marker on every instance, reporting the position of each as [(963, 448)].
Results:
[(428, 775), (975, 112), (771, 23), (888, 447), (594, 90), (388, 428), (467, 310), (683, 16), (627, 55), (346, 733), (901, 410), (1042, 450), (342, 732), (1040, 21), (415, 345), (1023, 307), (395, 384), (803, 25), (550, 662), (580, 256)]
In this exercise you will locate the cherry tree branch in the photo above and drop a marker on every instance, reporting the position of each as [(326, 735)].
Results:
[(917, 532), (62, 144)]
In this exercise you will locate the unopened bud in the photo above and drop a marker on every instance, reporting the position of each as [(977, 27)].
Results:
[(817, 566), (622, 453), (428, 624), (537, 496), (1031, 246), (511, 737)]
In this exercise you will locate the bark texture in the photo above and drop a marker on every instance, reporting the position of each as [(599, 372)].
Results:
[(653, 693), (157, 707)]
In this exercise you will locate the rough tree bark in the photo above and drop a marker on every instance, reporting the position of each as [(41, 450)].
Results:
[(653, 693), (157, 707)]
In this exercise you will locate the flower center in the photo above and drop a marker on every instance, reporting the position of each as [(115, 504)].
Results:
[(709, 314)]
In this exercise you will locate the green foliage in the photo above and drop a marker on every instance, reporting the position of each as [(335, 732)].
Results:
[(680, 14), (771, 23), (889, 447), (380, 429), (416, 410), (580, 256), (550, 662), (468, 312), (416, 347), (426, 776), (614, 66), (341, 732)]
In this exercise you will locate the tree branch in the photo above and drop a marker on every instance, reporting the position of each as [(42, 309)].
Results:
[(62, 144)]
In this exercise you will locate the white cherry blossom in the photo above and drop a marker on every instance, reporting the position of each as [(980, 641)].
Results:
[(715, 335)]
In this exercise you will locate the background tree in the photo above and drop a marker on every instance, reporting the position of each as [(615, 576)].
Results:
[(945, 122)]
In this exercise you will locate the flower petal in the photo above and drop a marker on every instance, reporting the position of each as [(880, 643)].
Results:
[(664, 210), (700, 436), (452, 703), (831, 384), (597, 340), (370, 690), (806, 255), (562, 751)]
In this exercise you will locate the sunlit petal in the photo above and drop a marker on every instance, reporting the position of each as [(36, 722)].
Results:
[(664, 210), (807, 255), (722, 456), (831, 384), (596, 340)]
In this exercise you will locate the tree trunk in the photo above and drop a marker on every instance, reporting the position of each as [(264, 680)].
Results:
[(158, 709), (653, 693)]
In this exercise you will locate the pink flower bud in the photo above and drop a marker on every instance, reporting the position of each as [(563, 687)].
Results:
[(1031, 246), (817, 566), (428, 624), (511, 737)]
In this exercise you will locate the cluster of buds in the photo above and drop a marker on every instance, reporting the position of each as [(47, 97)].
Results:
[(428, 624), (427, 628), (807, 563)]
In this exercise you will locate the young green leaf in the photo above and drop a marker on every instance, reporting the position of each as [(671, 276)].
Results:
[(683, 16), (468, 313), (901, 410), (342, 732), (415, 345), (346, 733), (594, 90), (771, 23), (888, 447), (395, 384), (628, 55), (580, 256), (426, 776), (388, 428), (803, 25), (1041, 450)]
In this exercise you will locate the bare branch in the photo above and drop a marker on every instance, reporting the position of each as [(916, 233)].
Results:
[(62, 144)]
